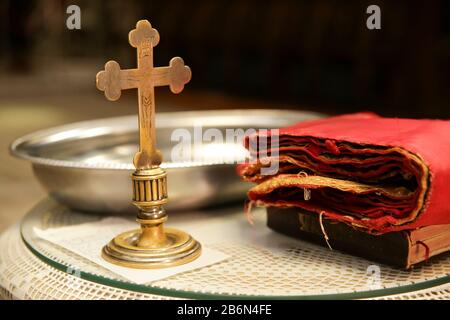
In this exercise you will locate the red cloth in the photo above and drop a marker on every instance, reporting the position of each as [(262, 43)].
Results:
[(346, 158)]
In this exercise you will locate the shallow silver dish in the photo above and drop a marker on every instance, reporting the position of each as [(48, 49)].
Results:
[(87, 165)]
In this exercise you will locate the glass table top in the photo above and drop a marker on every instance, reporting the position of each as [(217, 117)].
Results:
[(262, 264)]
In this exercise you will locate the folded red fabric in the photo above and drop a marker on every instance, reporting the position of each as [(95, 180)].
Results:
[(377, 174)]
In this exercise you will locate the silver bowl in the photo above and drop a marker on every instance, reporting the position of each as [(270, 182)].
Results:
[(87, 165)]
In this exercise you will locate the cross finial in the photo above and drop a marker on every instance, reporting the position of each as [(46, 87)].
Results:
[(145, 78)]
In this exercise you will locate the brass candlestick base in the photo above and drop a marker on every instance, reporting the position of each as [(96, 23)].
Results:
[(124, 251), (152, 246)]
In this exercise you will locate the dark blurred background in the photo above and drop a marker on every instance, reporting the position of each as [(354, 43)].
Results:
[(312, 54), (309, 55)]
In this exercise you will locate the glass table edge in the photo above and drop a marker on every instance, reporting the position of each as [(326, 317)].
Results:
[(183, 294)]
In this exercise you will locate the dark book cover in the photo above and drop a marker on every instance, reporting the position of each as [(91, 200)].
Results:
[(402, 249)]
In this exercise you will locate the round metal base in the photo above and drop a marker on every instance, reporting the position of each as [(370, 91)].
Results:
[(180, 248)]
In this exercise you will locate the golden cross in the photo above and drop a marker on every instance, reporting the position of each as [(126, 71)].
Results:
[(145, 78)]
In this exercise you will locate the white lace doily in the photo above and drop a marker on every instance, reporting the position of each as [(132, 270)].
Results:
[(24, 276)]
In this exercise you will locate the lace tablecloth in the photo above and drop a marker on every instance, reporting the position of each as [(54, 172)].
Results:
[(262, 264)]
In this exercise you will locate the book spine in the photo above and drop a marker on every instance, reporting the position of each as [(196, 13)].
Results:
[(391, 248)]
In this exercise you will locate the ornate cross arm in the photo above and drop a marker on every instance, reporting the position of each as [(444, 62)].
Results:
[(113, 80), (176, 75)]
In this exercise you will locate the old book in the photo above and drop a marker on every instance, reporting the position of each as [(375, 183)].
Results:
[(375, 174), (381, 184), (402, 249)]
